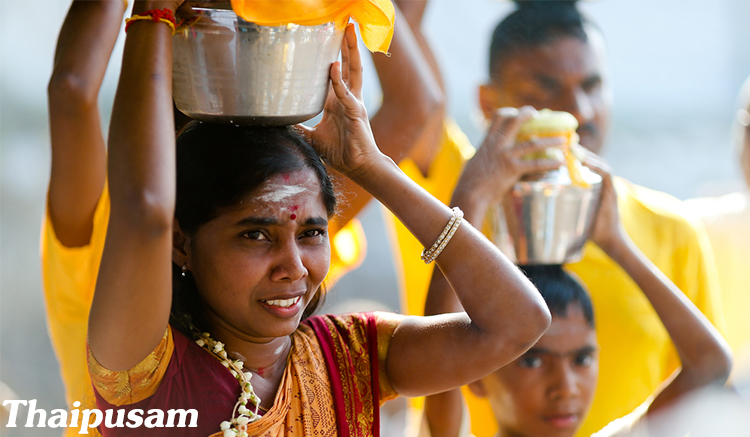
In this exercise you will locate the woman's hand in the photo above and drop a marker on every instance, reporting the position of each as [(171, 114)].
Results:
[(608, 232), (499, 163), (343, 137)]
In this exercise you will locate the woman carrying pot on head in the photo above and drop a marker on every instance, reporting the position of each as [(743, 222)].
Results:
[(75, 223), (549, 390), (215, 254)]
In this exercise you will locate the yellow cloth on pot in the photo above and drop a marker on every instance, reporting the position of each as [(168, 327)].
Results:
[(375, 17)]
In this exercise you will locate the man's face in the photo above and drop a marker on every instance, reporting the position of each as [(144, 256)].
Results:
[(566, 74)]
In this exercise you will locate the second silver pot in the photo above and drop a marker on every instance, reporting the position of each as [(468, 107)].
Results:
[(546, 219)]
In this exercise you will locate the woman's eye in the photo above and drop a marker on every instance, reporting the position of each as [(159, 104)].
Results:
[(584, 359), (314, 233), (530, 362), (254, 235)]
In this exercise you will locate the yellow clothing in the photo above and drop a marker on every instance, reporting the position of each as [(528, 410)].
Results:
[(413, 274), (176, 376), (69, 277), (727, 221), (636, 352), (375, 17)]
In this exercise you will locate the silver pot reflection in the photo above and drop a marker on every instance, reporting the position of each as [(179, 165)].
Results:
[(228, 70), (546, 219)]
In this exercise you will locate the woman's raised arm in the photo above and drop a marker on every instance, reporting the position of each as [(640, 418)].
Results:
[(79, 162), (504, 316), (133, 292)]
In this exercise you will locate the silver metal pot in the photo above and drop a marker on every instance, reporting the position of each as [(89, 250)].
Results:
[(546, 219), (228, 70)]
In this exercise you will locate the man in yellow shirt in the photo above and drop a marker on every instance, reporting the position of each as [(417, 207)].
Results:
[(548, 55), (77, 213)]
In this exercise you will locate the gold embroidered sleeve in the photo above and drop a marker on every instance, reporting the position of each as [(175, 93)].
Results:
[(131, 386), (387, 323)]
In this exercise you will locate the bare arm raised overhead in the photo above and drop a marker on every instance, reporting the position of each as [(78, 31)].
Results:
[(78, 153), (504, 313), (133, 294)]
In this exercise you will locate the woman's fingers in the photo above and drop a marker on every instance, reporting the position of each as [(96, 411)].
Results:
[(345, 55), (354, 65), (343, 94)]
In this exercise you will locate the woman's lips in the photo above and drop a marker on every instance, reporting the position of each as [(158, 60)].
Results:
[(283, 308), (562, 421)]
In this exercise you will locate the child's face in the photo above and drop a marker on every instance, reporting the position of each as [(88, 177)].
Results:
[(547, 391)]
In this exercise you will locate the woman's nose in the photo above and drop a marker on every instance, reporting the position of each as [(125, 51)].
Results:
[(289, 266)]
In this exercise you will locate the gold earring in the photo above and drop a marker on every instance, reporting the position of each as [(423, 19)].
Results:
[(184, 269)]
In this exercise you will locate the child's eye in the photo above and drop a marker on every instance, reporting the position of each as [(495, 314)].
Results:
[(530, 362), (254, 235)]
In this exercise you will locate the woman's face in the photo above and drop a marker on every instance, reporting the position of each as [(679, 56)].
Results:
[(547, 391), (258, 265)]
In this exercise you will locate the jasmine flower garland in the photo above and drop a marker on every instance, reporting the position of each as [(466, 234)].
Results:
[(241, 415)]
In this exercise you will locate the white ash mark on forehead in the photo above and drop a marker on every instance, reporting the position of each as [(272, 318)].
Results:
[(275, 193)]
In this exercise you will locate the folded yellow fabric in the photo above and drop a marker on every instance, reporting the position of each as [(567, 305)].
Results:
[(375, 17)]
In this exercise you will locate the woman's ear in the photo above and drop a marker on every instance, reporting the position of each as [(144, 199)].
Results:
[(180, 246), (478, 388)]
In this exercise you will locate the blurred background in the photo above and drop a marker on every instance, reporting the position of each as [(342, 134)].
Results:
[(675, 68)]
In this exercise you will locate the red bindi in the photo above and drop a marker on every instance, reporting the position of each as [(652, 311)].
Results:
[(293, 216)]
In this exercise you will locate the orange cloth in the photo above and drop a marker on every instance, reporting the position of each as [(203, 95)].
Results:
[(304, 401), (69, 278), (375, 17)]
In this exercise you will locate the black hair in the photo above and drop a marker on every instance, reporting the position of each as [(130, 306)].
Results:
[(559, 290), (217, 166), (534, 23)]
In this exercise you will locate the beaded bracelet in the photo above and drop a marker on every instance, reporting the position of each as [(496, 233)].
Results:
[(429, 255), (155, 15)]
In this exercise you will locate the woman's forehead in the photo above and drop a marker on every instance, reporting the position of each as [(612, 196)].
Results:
[(297, 189)]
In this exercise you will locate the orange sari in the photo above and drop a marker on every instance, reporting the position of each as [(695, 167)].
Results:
[(333, 385)]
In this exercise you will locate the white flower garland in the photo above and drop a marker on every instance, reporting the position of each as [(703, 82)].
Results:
[(241, 415)]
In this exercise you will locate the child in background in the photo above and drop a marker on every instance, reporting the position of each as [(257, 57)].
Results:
[(549, 390)]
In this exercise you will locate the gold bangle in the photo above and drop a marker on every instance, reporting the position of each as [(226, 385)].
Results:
[(429, 255)]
